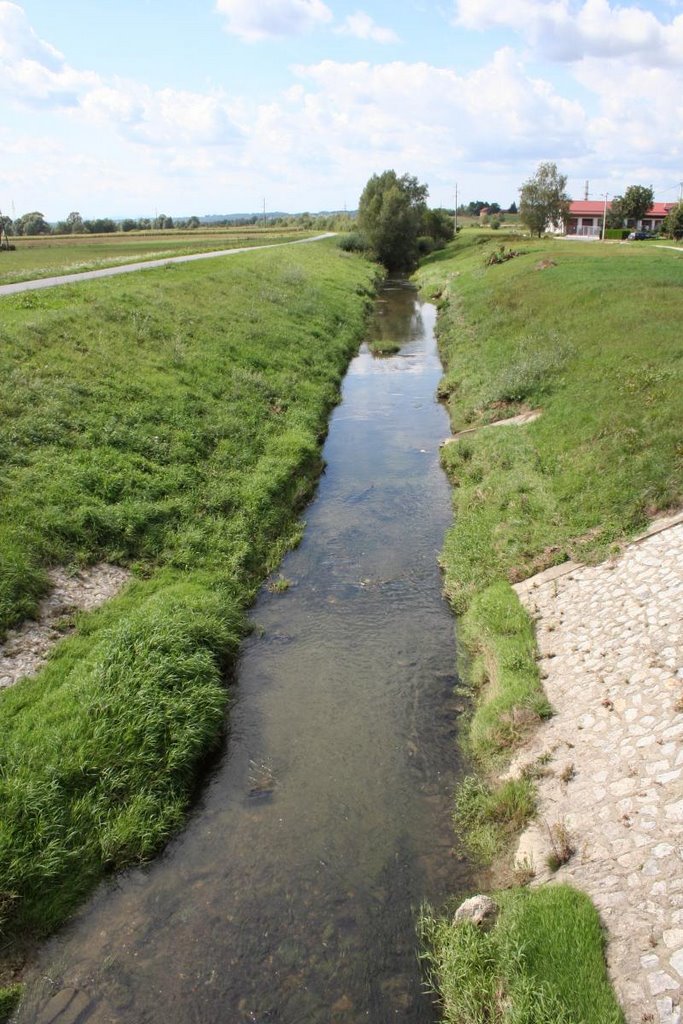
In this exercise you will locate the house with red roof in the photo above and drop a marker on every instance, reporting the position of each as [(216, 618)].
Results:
[(585, 218)]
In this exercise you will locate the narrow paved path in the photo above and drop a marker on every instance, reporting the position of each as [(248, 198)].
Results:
[(611, 653), (129, 268)]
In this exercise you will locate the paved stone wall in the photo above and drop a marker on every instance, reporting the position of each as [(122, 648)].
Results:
[(611, 647)]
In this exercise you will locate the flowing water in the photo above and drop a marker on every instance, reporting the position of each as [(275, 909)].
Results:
[(292, 894)]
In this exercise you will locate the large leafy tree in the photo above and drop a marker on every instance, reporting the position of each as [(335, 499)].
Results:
[(74, 222), (438, 225), (33, 223), (543, 200), (673, 223), (636, 201), (390, 215), (633, 205)]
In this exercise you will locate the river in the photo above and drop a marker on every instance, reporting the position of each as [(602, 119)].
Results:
[(292, 894)]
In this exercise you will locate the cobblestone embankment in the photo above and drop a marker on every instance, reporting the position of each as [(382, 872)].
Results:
[(611, 646)]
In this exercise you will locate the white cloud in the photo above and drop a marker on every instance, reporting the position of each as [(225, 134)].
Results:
[(33, 70), (362, 26), (566, 31), (639, 114), (34, 73), (163, 117), (254, 20), (18, 41), (351, 119), (122, 141)]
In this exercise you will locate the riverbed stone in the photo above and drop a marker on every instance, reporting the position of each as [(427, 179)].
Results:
[(615, 632), (66, 1007), (480, 910)]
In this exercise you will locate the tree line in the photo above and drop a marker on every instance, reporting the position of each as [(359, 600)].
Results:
[(34, 223)]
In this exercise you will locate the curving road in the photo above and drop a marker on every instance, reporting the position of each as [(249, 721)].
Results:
[(128, 268)]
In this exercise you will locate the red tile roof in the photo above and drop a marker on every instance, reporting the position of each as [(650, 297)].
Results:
[(595, 208), (587, 208)]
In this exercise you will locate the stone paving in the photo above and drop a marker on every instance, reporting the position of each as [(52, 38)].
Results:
[(26, 649), (611, 648)]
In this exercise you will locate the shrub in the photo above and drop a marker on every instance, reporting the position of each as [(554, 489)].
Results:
[(355, 241)]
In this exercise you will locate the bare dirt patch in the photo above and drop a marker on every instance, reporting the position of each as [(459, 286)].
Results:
[(511, 421), (26, 649)]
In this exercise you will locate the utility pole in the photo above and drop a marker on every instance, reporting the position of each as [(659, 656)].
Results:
[(264, 211), (604, 217), (455, 215)]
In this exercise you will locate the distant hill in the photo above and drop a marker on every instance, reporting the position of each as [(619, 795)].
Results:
[(211, 218)]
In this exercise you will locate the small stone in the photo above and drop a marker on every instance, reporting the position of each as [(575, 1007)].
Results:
[(481, 911), (665, 1008), (343, 1005), (677, 961), (660, 982), (64, 1008), (674, 812)]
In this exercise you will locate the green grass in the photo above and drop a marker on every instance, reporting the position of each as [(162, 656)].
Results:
[(47, 255), (384, 348), (542, 963), (9, 1000), (487, 816), (499, 638), (170, 422), (595, 342), (499, 647)]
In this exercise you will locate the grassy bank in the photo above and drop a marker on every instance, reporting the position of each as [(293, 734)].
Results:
[(542, 963), (170, 422), (48, 255), (590, 336)]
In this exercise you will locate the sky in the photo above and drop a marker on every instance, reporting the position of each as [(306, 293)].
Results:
[(128, 108)]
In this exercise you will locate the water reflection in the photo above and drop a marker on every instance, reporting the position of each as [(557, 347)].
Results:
[(291, 896)]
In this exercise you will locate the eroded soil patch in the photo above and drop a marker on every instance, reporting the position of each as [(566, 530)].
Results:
[(26, 649)]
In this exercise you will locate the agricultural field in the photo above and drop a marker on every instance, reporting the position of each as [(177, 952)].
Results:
[(48, 255), (169, 422)]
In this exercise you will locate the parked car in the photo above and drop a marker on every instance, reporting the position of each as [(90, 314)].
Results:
[(639, 236)]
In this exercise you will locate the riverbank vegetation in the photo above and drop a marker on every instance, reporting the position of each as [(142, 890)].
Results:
[(542, 963), (395, 226), (170, 422), (588, 335)]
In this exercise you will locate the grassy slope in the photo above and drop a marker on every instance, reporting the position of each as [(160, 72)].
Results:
[(594, 340), (45, 256), (170, 421)]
